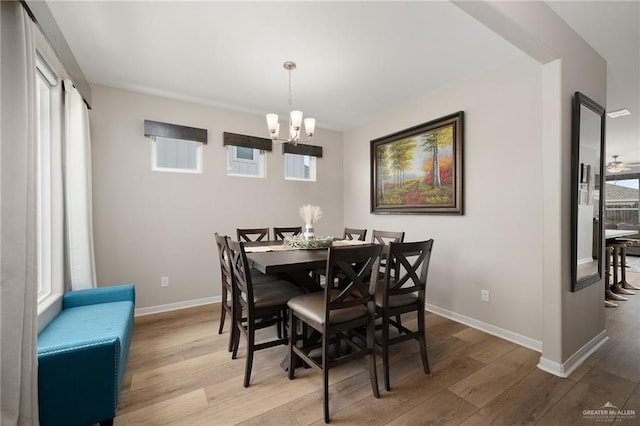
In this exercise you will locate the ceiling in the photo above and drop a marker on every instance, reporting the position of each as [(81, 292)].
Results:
[(356, 60), (612, 28)]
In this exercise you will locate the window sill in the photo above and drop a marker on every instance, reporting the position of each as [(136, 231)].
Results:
[(246, 176), (48, 308), (299, 179)]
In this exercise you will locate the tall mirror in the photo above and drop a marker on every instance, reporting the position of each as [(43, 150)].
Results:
[(587, 186)]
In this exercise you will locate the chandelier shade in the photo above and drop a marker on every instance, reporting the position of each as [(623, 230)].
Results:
[(295, 119)]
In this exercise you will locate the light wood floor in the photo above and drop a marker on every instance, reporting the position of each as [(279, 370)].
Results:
[(180, 373)]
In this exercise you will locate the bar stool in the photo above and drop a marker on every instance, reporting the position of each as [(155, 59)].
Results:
[(617, 287), (607, 278), (609, 286), (623, 265)]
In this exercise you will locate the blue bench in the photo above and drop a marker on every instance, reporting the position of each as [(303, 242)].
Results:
[(82, 356)]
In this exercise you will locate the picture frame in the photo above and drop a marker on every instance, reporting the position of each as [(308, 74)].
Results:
[(419, 170)]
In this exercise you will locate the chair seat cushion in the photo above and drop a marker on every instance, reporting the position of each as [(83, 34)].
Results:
[(274, 293), (397, 300), (311, 306)]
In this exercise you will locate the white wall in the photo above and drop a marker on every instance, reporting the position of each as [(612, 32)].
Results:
[(153, 224), (497, 243), (573, 323)]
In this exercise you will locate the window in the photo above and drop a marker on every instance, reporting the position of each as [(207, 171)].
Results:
[(299, 167), (176, 155), (49, 180), (175, 148), (300, 161), (622, 200), (243, 161)]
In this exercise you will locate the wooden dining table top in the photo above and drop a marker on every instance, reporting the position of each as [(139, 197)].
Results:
[(285, 260), (272, 262)]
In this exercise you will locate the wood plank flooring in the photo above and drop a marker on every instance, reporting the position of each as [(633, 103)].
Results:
[(180, 373)]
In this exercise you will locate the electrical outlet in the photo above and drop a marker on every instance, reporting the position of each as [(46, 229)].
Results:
[(164, 282), (484, 295)]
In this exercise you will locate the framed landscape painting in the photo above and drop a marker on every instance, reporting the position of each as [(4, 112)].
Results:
[(419, 170)]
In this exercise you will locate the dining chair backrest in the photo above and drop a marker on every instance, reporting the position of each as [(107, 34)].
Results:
[(354, 234), (241, 274), (353, 267), (412, 260), (252, 234), (224, 258), (279, 233), (384, 238)]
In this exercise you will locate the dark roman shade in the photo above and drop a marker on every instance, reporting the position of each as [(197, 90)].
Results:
[(302, 149), (174, 131), (247, 141)]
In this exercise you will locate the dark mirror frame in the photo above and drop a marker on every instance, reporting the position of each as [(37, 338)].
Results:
[(581, 100)]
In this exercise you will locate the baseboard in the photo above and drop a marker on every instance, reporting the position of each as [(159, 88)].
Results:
[(178, 305), (570, 365), (516, 338)]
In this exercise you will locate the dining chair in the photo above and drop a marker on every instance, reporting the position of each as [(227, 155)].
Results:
[(250, 235), (227, 293), (257, 306), (403, 294), (279, 233), (334, 312), (354, 234)]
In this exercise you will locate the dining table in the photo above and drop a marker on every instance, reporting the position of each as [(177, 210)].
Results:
[(293, 264), (611, 234)]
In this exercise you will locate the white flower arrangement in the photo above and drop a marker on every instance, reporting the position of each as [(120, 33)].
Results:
[(310, 215)]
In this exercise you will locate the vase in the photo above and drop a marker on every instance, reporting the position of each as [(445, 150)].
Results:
[(308, 233)]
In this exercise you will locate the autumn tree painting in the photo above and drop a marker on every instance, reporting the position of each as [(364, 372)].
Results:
[(418, 170)]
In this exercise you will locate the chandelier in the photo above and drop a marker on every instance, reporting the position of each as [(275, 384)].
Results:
[(616, 166), (295, 119)]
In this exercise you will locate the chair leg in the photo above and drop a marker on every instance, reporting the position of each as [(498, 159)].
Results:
[(236, 338), (371, 342), (250, 346), (285, 333), (279, 324), (385, 351), (399, 322), (232, 332), (223, 309), (292, 341), (325, 375), (423, 342)]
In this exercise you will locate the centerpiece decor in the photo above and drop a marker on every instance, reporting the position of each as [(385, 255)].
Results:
[(310, 215), (299, 242)]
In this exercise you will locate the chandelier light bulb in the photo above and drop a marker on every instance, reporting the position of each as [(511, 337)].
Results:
[(272, 122), (296, 119), (310, 126)]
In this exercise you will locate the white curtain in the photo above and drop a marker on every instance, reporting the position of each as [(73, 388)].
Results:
[(18, 270), (81, 271)]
